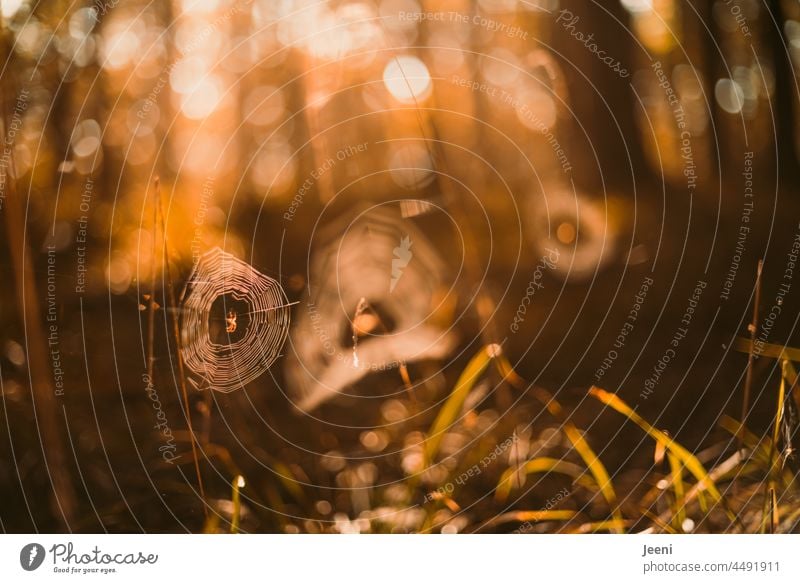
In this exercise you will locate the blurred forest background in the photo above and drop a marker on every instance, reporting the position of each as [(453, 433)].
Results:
[(530, 197)]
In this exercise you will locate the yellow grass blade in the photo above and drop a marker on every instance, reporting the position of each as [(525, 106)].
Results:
[(789, 372), (776, 429), (773, 472), (659, 453), (595, 466), (508, 373), (211, 523), (451, 409), (531, 516), (758, 446), (679, 509), (541, 465), (742, 344), (603, 525), (689, 461), (237, 485), (593, 463), (701, 500), (288, 480), (775, 518)]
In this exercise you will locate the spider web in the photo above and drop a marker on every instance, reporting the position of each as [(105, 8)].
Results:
[(226, 367)]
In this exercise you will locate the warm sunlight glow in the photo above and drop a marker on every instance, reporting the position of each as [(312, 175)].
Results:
[(407, 79)]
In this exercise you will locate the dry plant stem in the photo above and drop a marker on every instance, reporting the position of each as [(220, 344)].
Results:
[(658, 521), (45, 407), (403, 368), (773, 471), (774, 514), (151, 312), (748, 381), (176, 333), (715, 473)]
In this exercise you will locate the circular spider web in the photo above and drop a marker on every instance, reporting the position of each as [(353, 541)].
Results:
[(261, 330)]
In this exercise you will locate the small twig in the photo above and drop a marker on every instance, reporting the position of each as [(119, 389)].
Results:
[(151, 316), (176, 332), (774, 517), (403, 367), (517, 460), (748, 382), (772, 471)]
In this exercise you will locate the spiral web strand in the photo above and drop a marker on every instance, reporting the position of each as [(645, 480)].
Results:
[(228, 366)]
